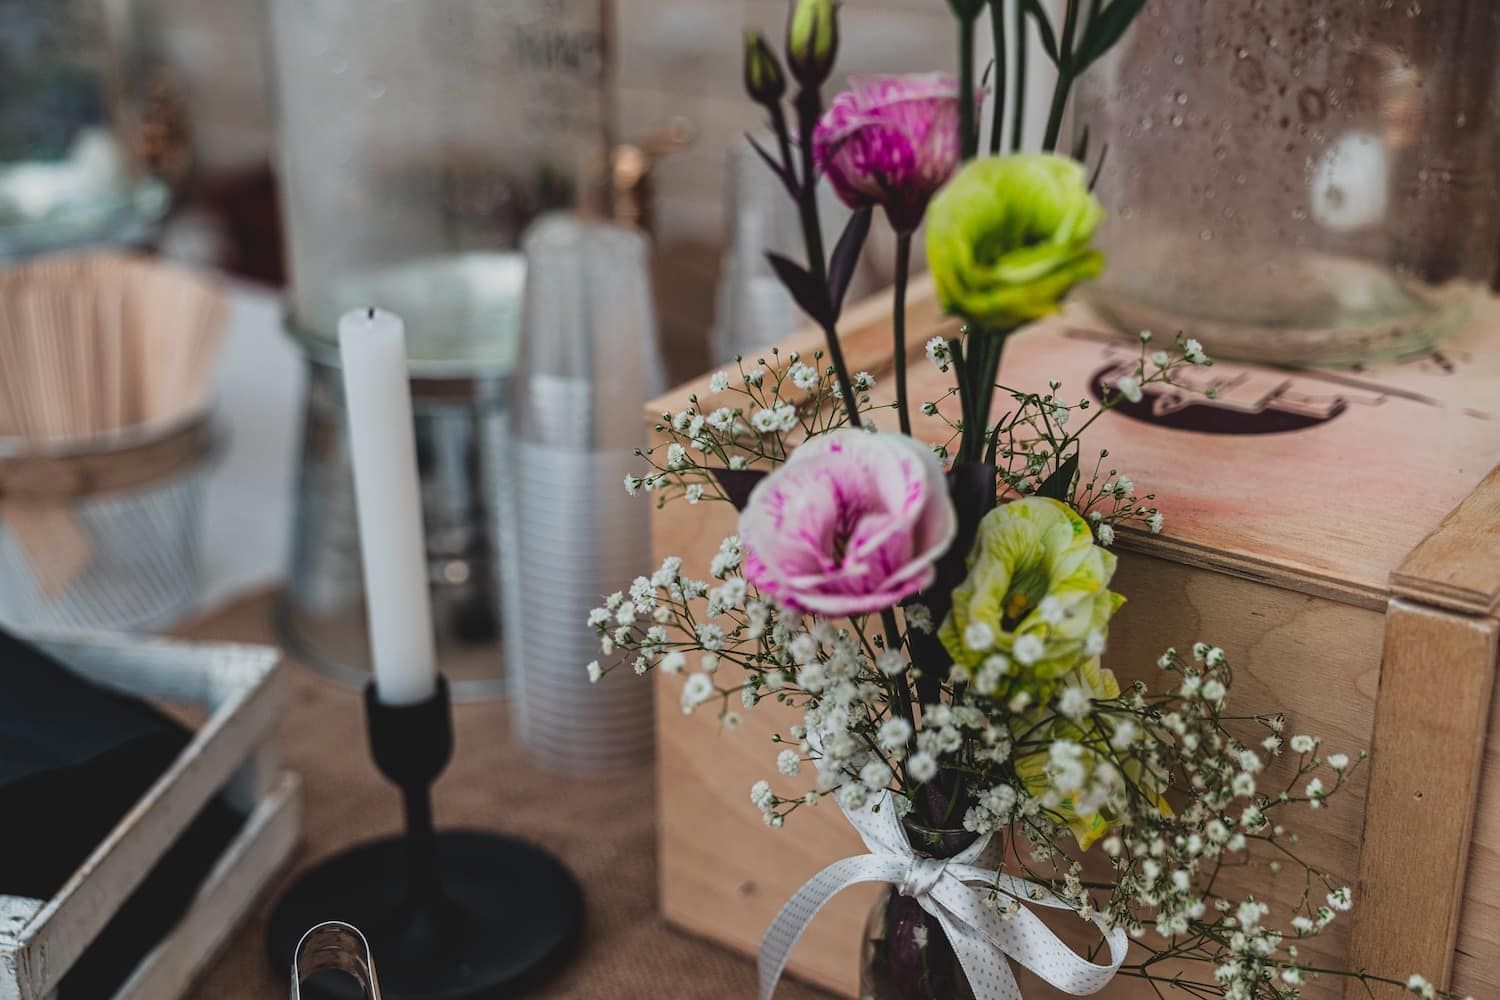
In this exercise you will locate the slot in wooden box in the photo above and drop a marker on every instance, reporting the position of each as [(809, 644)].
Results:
[(1337, 533), (242, 692)]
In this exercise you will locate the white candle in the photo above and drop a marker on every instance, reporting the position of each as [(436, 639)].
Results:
[(372, 346)]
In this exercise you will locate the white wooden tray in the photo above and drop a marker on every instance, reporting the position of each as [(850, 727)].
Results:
[(242, 691)]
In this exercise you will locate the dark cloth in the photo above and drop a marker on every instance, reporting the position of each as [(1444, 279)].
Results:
[(74, 759)]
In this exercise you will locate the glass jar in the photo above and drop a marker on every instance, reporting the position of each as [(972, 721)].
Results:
[(417, 141), (73, 163), (906, 954), (1298, 181)]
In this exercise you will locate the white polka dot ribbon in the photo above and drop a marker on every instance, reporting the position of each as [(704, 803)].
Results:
[(958, 893)]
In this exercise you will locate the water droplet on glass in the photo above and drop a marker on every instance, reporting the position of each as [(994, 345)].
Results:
[(1181, 98), (1206, 235), (1221, 153), (1178, 59), (1299, 213), (1460, 120), (1243, 53), (1177, 121)]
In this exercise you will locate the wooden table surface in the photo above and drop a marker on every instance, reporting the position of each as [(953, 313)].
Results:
[(604, 831)]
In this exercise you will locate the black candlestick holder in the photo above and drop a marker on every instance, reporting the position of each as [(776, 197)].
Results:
[(451, 915)]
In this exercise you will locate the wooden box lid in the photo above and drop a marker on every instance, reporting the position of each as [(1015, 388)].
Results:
[(1319, 481)]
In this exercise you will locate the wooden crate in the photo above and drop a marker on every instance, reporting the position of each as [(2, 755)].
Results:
[(1338, 533), (242, 692)]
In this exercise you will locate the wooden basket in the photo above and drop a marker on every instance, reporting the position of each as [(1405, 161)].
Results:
[(1337, 533), (233, 752)]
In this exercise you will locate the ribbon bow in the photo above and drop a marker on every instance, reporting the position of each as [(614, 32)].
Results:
[(982, 938)]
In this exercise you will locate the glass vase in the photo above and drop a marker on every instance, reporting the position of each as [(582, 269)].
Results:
[(906, 954), (417, 141), (1299, 183)]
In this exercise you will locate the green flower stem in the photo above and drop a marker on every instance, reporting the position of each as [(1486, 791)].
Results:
[(898, 325), (809, 107), (893, 641), (968, 134), (994, 347), (961, 376), (997, 104), (784, 143), (1018, 125), (1064, 77)]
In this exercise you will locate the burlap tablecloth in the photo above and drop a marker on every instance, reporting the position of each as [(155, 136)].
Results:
[(603, 830)]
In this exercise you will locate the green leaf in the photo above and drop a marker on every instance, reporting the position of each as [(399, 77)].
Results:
[(1043, 27), (845, 257), (1105, 30), (809, 293), (1059, 485)]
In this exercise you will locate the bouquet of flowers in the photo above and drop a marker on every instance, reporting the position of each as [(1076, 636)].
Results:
[(940, 613)]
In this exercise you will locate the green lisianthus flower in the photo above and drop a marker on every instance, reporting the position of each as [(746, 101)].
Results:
[(1009, 236), (1086, 763), (1036, 603), (1087, 823)]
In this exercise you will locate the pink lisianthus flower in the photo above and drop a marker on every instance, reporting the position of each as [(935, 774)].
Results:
[(890, 141), (852, 523)]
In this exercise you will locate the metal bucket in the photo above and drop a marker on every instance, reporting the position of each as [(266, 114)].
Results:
[(459, 415)]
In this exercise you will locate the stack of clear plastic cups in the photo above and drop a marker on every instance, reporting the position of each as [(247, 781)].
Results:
[(569, 532)]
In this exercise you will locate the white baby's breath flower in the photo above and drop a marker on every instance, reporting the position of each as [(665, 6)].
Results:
[(765, 420), (1074, 703), (718, 382), (788, 763), (919, 617), (1193, 351), (875, 775), (803, 376), (937, 353), (1154, 522), (693, 493), (1052, 610), (710, 636), (1106, 535), (891, 663), (672, 663), (698, 689), (1027, 649), (1338, 761), (922, 767), (595, 671), (1130, 387), (893, 734), (978, 636), (1341, 899), (1303, 744), (761, 795)]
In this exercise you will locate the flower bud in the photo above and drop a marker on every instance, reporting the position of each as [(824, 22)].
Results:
[(812, 40), (764, 81)]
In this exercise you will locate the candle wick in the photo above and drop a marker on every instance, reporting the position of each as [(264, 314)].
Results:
[(372, 312)]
